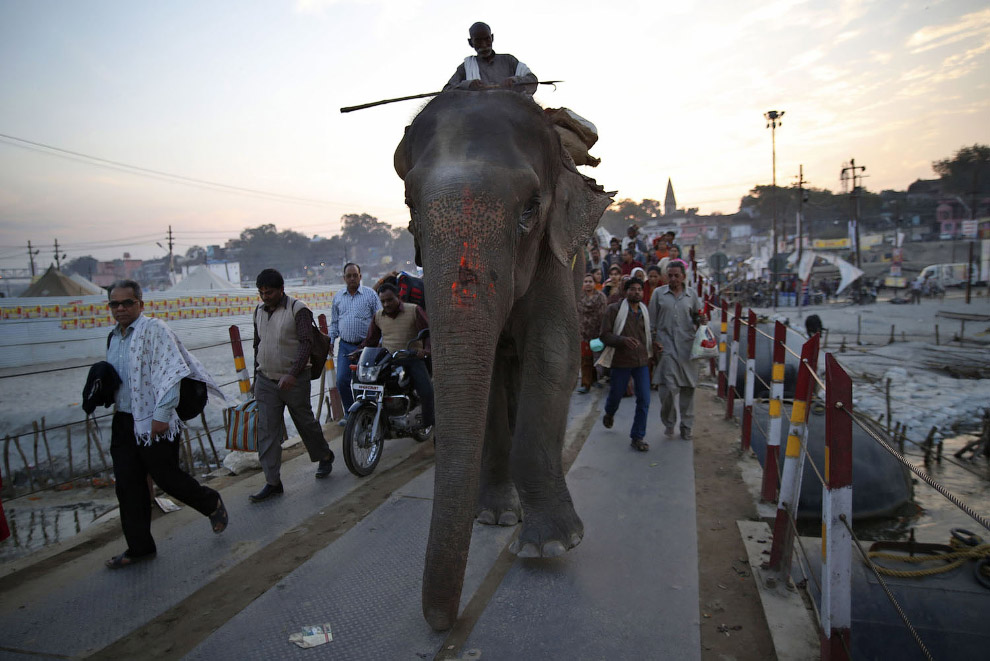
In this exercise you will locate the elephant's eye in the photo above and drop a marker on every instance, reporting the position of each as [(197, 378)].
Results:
[(531, 211), (413, 218)]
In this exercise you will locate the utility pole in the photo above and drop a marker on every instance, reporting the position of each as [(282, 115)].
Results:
[(854, 169), (171, 243), (58, 257), (799, 231), (802, 198), (31, 253), (774, 119)]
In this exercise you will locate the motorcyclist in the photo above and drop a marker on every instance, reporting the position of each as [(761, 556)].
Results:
[(395, 325)]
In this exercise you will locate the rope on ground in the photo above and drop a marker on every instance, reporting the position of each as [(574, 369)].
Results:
[(952, 498), (952, 559), (883, 584)]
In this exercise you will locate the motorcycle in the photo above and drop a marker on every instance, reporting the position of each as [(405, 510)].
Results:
[(385, 406)]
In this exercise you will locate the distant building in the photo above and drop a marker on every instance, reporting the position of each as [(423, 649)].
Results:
[(923, 190), (955, 217), (669, 201), (109, 272)]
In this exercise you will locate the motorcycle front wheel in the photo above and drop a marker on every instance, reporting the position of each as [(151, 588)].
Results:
[(361, 451)]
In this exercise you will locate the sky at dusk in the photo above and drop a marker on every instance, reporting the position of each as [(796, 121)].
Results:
[(247, 94)]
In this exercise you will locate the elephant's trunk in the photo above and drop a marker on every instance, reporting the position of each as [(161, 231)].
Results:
[(468, 289), (462, 371)]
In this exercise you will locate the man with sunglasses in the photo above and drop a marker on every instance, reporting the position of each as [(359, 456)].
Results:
[(151, 362)]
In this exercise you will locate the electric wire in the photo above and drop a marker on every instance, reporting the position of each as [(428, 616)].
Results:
[(158, 174)]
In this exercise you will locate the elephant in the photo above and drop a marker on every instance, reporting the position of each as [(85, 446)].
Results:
[(499, 214)]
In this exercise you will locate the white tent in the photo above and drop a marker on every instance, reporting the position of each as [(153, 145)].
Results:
[(88, 285), (203, 279)]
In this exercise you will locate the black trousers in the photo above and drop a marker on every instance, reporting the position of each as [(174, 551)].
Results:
[(132, 463), (420, 377)]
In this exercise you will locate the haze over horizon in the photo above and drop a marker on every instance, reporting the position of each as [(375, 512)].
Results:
[(248, 95)]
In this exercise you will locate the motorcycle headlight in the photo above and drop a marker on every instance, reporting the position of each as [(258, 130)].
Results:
[(369, 373)]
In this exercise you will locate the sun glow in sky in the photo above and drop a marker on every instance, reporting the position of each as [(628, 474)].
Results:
[(247, 94)]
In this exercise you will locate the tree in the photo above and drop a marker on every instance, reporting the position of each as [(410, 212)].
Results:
[(369, 240), (84, 266), (967, 173), (264, 247)]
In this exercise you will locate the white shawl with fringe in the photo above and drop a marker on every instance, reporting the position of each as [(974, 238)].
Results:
[(472, 72), (605, 360), (157, 361)]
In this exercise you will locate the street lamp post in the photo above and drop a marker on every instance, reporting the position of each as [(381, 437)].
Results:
[(774, 119)]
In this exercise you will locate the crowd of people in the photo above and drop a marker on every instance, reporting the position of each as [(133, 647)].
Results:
[(147, 366), (637, 321), (637, 327)]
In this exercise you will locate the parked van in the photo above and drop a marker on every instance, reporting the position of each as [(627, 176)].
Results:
[(948, 275)]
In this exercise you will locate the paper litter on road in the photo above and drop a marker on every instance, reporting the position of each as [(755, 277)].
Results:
[(166, 505), (312, 636)]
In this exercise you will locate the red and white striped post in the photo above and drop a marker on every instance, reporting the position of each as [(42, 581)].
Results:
[(244, 379), (747, 421), (733, 364), (836, 603), (327, 367), (771, 480), (722, 341), (794, 454)]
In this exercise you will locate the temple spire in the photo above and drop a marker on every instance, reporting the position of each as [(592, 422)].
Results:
[(669, 202)]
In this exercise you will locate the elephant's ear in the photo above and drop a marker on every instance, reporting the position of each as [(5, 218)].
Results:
[(400, 160), (578, 205)]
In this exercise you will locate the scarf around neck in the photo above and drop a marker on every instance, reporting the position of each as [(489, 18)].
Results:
[(158, 361)]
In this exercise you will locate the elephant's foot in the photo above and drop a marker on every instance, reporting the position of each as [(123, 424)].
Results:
[(499, 505), (549, 534)]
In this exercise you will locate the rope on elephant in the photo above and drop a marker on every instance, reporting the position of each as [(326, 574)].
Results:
[(964, 551)]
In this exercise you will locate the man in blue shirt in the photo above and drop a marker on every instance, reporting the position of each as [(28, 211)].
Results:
[(145, 433), (350, 315)]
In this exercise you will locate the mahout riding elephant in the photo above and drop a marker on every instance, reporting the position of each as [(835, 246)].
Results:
[(498, 213)]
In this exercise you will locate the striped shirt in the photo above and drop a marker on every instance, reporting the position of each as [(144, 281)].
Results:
[(351, 314)]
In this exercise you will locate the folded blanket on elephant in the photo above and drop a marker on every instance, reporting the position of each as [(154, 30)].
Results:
[(577, 134)]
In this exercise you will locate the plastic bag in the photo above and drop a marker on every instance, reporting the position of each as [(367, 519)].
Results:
[(705, 345)]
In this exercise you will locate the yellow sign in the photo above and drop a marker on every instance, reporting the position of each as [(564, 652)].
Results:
[(830, 244)]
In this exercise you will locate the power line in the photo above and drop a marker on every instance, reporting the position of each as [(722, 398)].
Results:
[(158, 174)]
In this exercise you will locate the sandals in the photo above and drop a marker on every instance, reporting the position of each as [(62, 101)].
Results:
[(219, 518), (125, 560), (638, 444)]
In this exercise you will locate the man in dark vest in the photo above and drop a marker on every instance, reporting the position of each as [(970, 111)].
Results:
[(283, 339), (395, 325), (490, 69)]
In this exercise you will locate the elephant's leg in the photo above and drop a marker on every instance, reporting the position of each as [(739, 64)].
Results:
[(497, 499), (547, 368)]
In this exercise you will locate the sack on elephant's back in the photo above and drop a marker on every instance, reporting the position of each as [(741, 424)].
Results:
[(577, 134)]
